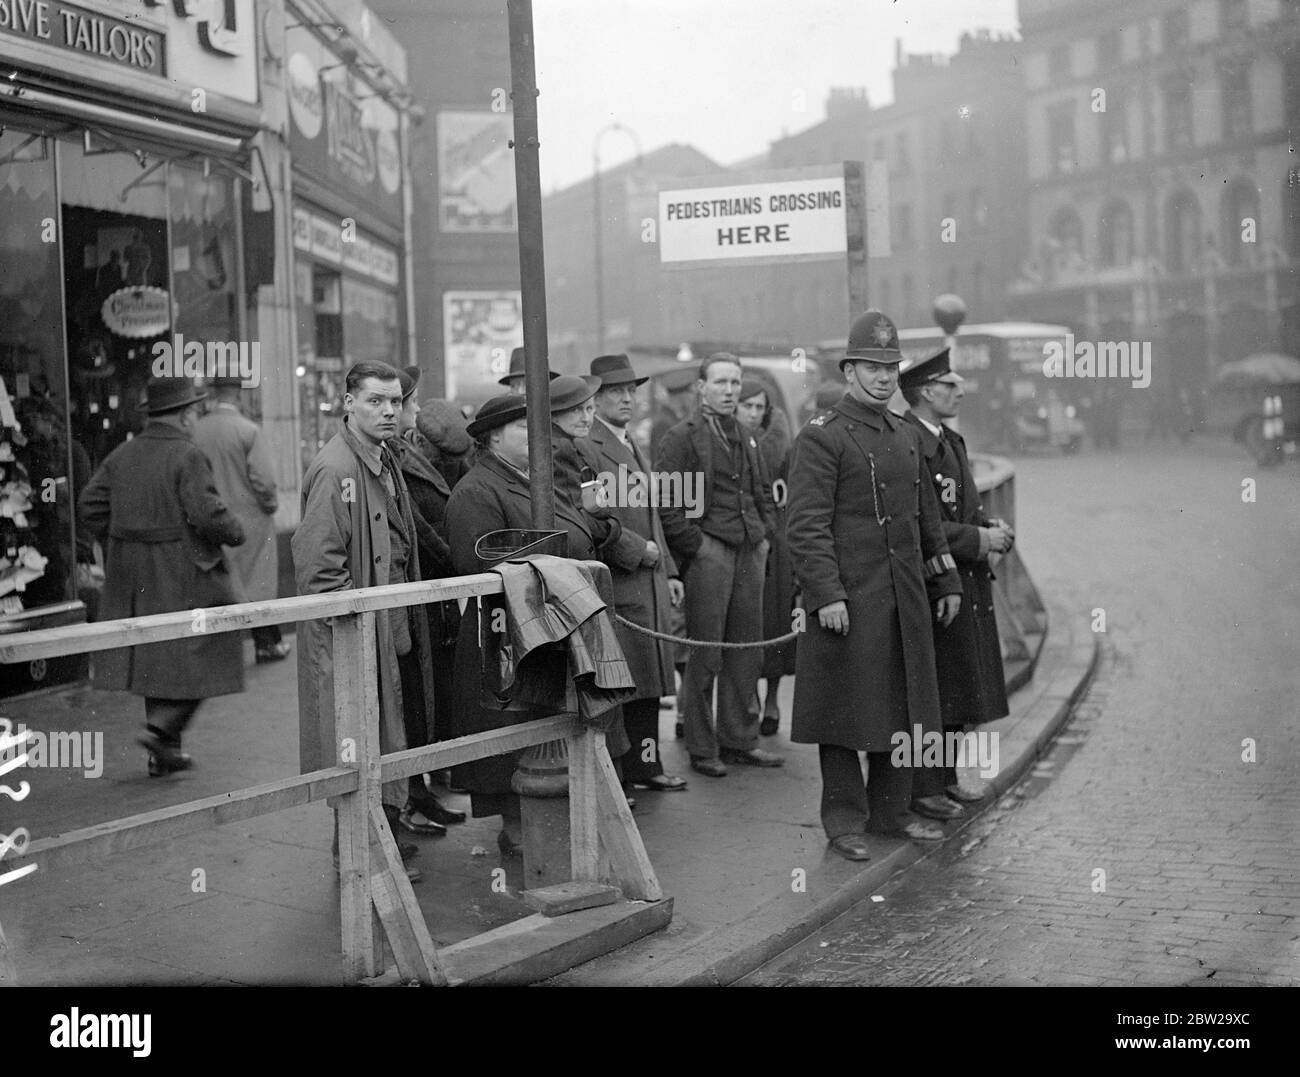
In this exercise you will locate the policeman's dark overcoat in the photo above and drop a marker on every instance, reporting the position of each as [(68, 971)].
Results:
[(872, 545), (968, 655)]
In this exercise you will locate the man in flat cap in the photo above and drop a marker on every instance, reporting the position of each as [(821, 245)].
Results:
[(968, 656), (865, 538)]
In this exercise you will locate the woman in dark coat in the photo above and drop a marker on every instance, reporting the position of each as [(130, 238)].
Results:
[(494, 496), (768, 424)]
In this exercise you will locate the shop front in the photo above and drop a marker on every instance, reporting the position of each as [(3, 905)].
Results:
[(349, 223), (125, 176)]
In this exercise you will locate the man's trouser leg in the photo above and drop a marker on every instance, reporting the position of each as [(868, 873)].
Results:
[(889, 792), (641, 720), (708, 592), (169, 717), (844, 797), (737, 727)]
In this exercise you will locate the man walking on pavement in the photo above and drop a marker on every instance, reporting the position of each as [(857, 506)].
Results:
[(241, 467), (645, 576), (154, 504), (722, 542), (865, 537), (358, 530), (968, 655)]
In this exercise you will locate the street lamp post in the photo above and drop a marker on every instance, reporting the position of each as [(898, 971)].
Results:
[(599, 214)]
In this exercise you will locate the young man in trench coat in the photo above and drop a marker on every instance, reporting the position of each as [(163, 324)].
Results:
[(865, 538)]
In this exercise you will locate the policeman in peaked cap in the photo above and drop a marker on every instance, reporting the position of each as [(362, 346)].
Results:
[(968, 656), (866, 539)]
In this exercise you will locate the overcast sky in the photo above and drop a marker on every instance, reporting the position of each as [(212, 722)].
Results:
[(726, 76)]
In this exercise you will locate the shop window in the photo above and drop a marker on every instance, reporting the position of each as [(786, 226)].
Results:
[(203, 253), (40, 470)]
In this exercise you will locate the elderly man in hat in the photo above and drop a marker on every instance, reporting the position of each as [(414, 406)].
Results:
[(723, 541), (865, 539), (241, 466), (154, 504), (646, 581), (968, 655), (515, 379), (358, 530)]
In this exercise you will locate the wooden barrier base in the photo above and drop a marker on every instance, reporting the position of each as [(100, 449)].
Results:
[(539, 947)]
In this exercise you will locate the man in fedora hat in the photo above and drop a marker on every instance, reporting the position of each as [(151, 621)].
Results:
[(865, 541), (155, 506), (514, 381), (968, 655), (646, 581), (358, 530), (241, 467)]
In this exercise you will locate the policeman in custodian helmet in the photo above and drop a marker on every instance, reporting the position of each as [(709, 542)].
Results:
[(865, 665)]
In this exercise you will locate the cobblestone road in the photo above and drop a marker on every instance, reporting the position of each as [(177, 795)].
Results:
[(1200, 850)]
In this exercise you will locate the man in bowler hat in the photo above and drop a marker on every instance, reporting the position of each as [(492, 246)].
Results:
[(515, 379), (155, 506)]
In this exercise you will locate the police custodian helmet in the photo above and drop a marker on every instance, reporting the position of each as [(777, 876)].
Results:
[(873, 336)]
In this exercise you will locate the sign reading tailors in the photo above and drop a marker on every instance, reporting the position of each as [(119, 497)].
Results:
[(777, 220)]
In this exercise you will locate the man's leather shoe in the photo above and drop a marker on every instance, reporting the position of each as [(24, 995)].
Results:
[(714, 768), (662, 783), (431, 807), (965, 793), (768, 726), (919, 831), (937, 807), (852, 847), (755, 757), (415, 821)]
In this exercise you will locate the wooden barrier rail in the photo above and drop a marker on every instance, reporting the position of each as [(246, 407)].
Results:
[(375, 894)]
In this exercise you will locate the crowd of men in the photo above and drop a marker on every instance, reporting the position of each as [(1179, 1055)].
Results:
[(876, 560)]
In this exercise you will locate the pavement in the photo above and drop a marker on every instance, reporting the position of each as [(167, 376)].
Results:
[(256, 902)]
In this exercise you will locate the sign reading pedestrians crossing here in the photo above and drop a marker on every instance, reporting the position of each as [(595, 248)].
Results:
[(793, 215)]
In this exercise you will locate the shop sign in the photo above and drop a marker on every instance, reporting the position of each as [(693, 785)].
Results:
[(137, 313), (322, 237), (778, 221), (336, 137), (481, 329), (476, 172), (206, 44)]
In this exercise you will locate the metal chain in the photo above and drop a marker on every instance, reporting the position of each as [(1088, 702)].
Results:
[(667, 638)]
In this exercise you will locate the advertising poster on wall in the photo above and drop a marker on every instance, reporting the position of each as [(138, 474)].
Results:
[(481, 330), (476, 172)]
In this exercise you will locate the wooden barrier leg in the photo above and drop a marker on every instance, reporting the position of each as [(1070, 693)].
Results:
[(585, 749), (400, 913), (618, 833), (356, 723)]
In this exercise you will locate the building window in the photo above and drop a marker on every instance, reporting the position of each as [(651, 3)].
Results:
[(949, 206), (1240, 222), (1178, 112), (886, 295), (1058, 61), (902, 153), (1108, 50), (903, 228), (1174, 30), (1067, 237), (878, 149), (979, 211), (1060, 137), (952, 280), (1233, 15), (1114, 128), (908, 299), (1182, 232), (1234, 81), (978, 286), (1115, 241)]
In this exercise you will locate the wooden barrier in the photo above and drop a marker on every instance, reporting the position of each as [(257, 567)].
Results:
[(376, 900)]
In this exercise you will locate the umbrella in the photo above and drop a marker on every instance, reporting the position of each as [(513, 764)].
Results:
[(1268, 368)]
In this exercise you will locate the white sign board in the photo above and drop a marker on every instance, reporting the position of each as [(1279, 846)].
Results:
[(480, 330), (781, 220)]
